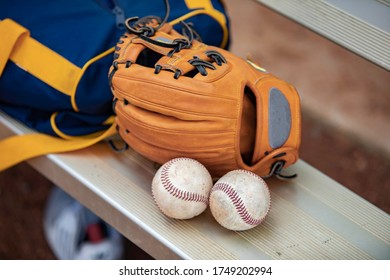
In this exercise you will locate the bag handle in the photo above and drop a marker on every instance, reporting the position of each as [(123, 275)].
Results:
[(36, 58), (18, 148), (10, 34)]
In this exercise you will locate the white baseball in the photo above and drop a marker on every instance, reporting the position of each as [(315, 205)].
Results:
[(181, 188), (240, 200)]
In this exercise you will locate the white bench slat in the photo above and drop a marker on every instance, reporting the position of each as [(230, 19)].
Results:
[(360, 26)]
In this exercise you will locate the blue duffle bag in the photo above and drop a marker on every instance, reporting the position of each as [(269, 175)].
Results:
[(54, 60)]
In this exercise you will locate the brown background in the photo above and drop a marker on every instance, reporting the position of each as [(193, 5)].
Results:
[(346, 106)]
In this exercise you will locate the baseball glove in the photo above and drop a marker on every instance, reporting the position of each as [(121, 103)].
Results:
[(175, 96)]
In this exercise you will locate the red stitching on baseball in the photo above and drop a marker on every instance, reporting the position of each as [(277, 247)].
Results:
[(237, 202), (176, 192), (262, 182)]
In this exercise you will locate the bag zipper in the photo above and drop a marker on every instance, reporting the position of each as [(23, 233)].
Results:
[(119, 15), (114, 7)]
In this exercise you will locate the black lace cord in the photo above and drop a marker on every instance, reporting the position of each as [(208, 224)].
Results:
[(115, 66), (167, 12), (139, 26), (110, 142), (115, 147), (177, 74), (201, 65), (277, 168), (188, 32), (157, 69), (178, 45), (114, 101), (111, 75), (198, 63), (195, 34), (216, 56)]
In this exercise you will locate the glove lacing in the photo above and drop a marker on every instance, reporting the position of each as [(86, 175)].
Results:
[(144, 31), (277, 168)]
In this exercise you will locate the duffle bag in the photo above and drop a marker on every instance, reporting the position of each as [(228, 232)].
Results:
[(54, 60)]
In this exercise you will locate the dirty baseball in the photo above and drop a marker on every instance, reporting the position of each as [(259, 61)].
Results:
[(181, 188), (240, 200)]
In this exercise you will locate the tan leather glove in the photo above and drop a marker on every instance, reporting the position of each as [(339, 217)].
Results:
[(177, 97)]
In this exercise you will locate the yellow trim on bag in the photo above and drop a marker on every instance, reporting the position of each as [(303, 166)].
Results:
[(206, 7), (36, 58), (108, 121), (81, 73), (10, 34), (16, 149), (194, 4), (40, 61)]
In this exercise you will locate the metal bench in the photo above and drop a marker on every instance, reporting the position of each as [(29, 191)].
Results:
[(312, 216), (361, 26)]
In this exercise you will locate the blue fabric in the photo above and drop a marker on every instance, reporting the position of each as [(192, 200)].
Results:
[(78, 30)]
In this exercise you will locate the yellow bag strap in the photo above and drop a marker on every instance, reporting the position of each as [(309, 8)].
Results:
[(61, 74), (56, 71), (16, 149), (36, 58)]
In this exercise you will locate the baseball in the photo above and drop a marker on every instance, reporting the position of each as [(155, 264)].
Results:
[(181, 188), (240, 200)]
